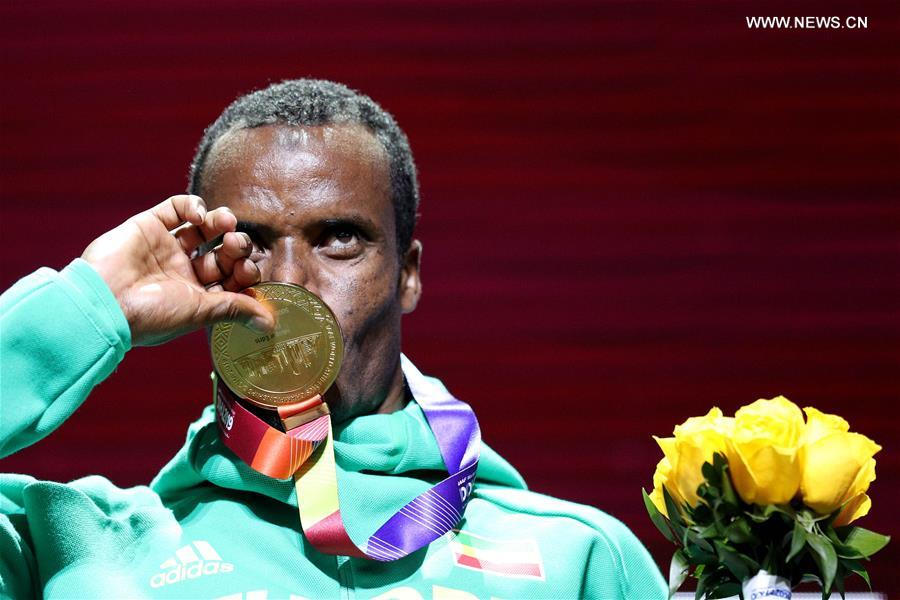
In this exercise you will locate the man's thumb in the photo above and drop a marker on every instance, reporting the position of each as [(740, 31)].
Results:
[(230, 306)]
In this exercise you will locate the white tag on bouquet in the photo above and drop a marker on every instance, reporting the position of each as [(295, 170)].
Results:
[(764, 586)]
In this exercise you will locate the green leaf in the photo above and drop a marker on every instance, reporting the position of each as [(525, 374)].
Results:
[(702, 514), (716, 583), (701, 587), (758, 518), (842, 550), (738, 532), (720, 461), (657, 517), (678, 572), (727, 590), (728, 493), (709, 473), (839, 583), (695, 538), (781, 509), (675, 520), (764, 513), (855, 566), (798, 541), (846, 552), (807, 519), (865, 575), (811, 578), (708, 492), (696, 556), (710, 531), (741, 566), (866, 542), (825, 558)]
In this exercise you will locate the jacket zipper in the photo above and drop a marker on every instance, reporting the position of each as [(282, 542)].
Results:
[(345, 577)]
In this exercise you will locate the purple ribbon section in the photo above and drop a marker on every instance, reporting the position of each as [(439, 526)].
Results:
[(452, 421), (435, 512), (429, 516)]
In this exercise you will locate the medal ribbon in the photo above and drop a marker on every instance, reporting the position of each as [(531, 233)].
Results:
[(279, 454)]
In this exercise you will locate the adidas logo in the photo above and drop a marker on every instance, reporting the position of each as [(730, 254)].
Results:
[(191, 562)]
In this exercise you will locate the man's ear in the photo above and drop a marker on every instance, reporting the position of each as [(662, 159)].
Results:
[(410, 282)]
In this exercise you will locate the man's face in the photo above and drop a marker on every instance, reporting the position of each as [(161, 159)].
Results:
[(316, 202)]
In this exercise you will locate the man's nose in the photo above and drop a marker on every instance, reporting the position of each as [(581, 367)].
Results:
[(289, 264)]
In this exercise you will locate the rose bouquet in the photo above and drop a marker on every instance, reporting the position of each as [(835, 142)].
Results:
[(762, 501)]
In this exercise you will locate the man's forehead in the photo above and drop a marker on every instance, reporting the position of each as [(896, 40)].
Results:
[(300, 145)]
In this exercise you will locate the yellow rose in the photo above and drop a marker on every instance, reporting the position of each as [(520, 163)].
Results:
[(660, 479), (837, 467), (694, 443), (764, 453)]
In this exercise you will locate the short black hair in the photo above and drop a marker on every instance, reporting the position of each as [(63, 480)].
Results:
[(312, 102)]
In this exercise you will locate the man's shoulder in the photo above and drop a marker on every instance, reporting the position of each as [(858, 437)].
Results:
[(573, 541), (501, 502), (542, 510), (92, 499)]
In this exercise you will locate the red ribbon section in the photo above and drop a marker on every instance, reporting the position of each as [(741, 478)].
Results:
[(266, 449)]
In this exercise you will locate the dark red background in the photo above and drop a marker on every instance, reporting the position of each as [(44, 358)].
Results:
[(631, 211)]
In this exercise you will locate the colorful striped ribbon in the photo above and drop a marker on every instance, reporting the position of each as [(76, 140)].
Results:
[(279, 454)]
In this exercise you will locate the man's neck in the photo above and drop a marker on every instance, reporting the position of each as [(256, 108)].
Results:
[(398, 397)]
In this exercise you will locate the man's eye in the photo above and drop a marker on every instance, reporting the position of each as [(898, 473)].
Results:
[(345, 236), (258, 249), (342, 241)]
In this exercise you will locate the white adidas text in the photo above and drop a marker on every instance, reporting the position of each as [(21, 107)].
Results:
[(187, 564)]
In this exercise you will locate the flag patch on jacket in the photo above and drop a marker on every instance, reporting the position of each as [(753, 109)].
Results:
[(509, 558)]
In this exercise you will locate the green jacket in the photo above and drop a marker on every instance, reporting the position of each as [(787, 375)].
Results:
[(210, 527)]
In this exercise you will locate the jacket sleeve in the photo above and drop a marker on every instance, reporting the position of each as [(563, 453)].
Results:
[(18, 564), (637, 575), (61, 333)]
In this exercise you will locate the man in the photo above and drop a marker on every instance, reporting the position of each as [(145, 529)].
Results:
[(308, 183)]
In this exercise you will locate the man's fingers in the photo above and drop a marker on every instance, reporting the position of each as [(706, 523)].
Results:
[(219, 264), (230, 306), (183, 208), (216, 222), (245, 274)]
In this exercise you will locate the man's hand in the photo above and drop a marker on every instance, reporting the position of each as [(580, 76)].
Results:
[(151, 265)]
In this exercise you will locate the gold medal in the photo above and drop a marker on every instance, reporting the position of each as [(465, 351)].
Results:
[(300, 359)]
